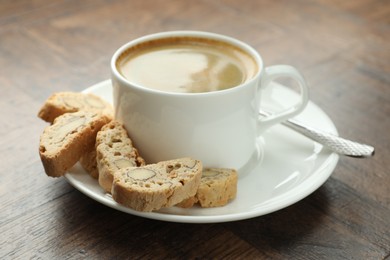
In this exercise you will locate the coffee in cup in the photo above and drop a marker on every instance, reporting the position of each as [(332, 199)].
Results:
[(186, 65), (171, 110)]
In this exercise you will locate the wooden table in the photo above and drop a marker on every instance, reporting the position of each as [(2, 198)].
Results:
[(342, 47)]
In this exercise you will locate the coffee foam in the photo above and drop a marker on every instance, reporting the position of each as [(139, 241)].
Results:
[(237, 55)]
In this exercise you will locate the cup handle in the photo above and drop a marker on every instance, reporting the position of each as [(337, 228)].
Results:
[(277, 71)]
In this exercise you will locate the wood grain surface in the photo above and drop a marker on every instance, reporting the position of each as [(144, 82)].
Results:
[(342, 48)]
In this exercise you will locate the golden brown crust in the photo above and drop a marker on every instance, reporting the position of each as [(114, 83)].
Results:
[(154, 186), (114, 151), (188, 203), (69, 137), (67, 102), (217, 187), (88, 162)]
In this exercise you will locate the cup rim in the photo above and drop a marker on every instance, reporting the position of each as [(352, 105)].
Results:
[(200, 34)]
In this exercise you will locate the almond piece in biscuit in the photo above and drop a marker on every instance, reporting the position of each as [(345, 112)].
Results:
[(69, 137), (217, 187), (114, 151), (159, 185), (66, 102)]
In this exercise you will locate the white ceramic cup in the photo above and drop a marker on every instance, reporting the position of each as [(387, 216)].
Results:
[(219, 128)]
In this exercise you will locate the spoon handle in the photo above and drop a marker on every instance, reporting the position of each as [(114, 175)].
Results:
[(334, 143)]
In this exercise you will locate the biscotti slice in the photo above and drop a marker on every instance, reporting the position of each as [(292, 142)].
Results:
[(88, 162), (66, 102), (154, 186), (114, 151), (67, 139), (217, 187)]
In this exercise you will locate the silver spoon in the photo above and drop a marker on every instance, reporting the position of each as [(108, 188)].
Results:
[(334, 143)]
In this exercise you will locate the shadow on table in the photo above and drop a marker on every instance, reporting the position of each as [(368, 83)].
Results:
[(287, 227), (92, 229)]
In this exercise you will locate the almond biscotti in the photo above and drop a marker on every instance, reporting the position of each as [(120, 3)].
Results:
[(69, 137), (217, 187), (114, 151), (154, 186), (66, 102), (88, 162)]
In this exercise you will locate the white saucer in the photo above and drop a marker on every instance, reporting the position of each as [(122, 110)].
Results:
[(291, 168)]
